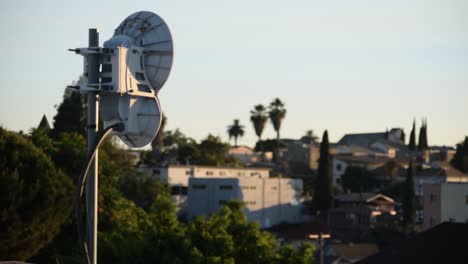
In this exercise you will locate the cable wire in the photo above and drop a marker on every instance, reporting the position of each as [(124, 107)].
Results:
[(80, 189)]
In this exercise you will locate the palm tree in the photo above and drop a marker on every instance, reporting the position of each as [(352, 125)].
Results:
[(235, 130), (309, 137), (259, 118), (277, 114)]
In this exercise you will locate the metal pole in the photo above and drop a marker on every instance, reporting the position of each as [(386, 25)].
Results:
[(92, 127), (321, 247)]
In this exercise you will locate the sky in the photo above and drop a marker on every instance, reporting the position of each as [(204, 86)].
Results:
[(347, 66)]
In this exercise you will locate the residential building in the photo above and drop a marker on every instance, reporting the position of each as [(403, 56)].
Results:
[(178, 176), (341, 162), (355, 213), (269, 201), (445, 202)]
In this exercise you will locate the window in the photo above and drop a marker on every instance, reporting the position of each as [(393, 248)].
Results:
[(433, 198), (250, 202), (225, 187), (252, 187), (274, 188), (254, 174), (187, 172), (198, 186), (209, 173), (338, 167), (222, 173), (178, 190), (241, 174), (222, 202), (156, 171)]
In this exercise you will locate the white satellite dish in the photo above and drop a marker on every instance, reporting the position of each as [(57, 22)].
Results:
[(136, 63), (149, 31)]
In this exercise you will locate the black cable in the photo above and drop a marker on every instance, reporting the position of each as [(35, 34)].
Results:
[(80, 189)]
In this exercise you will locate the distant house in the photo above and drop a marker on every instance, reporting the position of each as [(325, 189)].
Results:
[(444, 243), (355, 213), (301, 158), (394, 136), (445, 202), (341, 162), (244, 154)]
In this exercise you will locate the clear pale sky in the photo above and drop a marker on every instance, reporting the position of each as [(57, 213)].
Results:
[(346, 66)]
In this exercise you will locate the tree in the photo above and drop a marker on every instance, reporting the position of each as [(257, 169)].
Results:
[(460, 159), (357, 179), (268, 145), (309, 137), (44, 124), (422, 142), (409, 199), (259, 118), (235, 131), (412, 140), (157, 144), (277, 114), (213, 152), (323, 195), (70, 114), (35, 197)]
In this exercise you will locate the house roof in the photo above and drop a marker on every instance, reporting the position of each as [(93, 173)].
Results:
[(445, 170), (363, 139), (354, 252), (443, 243), (361, 197)]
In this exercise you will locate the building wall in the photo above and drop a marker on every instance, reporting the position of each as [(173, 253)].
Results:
[(269, 201), (431, 205), (454, 202), (445, 202)]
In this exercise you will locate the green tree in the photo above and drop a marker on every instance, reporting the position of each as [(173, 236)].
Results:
[(259, 118), (412, 140), (323, 194), (35, 197), (277, 114), (157, 145), (422, 142), (309, 137), (460, 159), (235, 131), (213, 152), (409, 199), (268, 145), (70, 115), (357, 179)]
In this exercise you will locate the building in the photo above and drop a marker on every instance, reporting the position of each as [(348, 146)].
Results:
[(355, 213), (445, 202), (341, 162), (244, 154), (269, 201)]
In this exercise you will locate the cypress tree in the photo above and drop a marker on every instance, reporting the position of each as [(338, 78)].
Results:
[(323, 195), (422, 142), (412, 140), (409, 199)]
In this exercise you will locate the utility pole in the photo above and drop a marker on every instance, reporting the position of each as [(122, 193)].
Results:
[(92, 128)]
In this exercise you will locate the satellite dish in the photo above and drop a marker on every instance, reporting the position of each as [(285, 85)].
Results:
[(149, 31), (136, 63)]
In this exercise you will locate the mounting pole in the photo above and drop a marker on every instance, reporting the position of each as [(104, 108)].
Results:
[(92, 128)]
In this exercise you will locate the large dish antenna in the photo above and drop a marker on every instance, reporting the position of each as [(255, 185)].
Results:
[(135, 63), (149, 31)]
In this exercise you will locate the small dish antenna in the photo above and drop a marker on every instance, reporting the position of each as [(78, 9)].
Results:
[(134, 65)]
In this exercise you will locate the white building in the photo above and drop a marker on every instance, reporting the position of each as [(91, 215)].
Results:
[(445, 202), (269, 201), (176, 175)]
